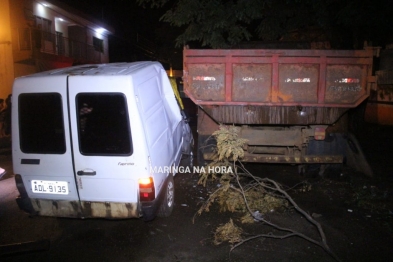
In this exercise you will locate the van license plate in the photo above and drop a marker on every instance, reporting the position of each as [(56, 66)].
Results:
[(49, 187)]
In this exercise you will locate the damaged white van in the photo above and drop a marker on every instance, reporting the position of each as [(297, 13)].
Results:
[(88, 141)]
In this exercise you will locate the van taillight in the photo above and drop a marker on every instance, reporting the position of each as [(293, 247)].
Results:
[(146, 189)]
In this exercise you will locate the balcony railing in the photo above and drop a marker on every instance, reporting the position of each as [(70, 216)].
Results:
[(43, 42)]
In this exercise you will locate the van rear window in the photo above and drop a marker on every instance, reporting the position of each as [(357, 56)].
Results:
[(41, 125), (103, 124)]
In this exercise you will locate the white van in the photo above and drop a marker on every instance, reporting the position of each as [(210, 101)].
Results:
[(98, 141)]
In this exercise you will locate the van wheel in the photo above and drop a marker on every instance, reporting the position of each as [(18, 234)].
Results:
[(169, 199)]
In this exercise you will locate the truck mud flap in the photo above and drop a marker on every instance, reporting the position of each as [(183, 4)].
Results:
[(344, 144), (355, 156)]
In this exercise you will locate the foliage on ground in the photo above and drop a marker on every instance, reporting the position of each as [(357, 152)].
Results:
[(228, 232), (241, 192), (228, 196)]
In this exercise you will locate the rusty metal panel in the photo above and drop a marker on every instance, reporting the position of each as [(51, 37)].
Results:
[(271, 150), (345, 84), (274, 115), (301, 53), (379, 112), (278, 159), (380, 104), (298, 83), (272, 137), (306, 86), (206, 125), (311, 159), (298, 65), (206, 81), (384, 77), (252, 82)]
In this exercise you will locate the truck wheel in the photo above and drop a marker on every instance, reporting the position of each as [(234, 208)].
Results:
[(169, 199), (206, 144), (201, 161), (187, 160)]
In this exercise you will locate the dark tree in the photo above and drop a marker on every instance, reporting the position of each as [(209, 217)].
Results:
[(225, 23)]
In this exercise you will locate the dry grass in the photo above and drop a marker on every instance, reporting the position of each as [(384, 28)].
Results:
[(257, 199), (228, 233), (253, 196), (228, 196), (229, 145)]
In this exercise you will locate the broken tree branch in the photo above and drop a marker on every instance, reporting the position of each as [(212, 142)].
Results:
[(278, 188)]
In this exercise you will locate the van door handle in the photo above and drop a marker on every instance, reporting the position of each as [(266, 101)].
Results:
[(86, 173)]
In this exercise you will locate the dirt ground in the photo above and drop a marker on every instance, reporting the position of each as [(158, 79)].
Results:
[(355, 211), (356, 214)]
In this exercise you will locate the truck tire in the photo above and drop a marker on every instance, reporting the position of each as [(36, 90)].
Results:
[(206, 144), (168, 202), (187, 160), (200, 160)]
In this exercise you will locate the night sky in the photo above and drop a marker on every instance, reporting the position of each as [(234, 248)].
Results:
[(157, 39)]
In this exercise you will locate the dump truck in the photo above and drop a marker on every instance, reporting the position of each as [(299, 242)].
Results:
[(290, 105)]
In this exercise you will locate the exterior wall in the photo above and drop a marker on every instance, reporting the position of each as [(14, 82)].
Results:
[(18, 54), (104, 56), (6, 61), (21, 17), (73, 28), (21, 69), (62, 27)]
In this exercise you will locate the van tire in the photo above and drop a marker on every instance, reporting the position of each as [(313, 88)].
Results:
[(168, 202)]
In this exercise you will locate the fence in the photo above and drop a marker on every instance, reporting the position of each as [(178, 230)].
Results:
[(56, 44)]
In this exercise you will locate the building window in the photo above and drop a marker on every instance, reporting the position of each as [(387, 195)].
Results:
[(98, 44), (24, 39), (45, 26)]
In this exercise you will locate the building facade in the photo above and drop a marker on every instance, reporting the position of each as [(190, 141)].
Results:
[(40, 35)]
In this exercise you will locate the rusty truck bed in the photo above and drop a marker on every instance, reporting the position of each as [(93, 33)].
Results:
[(286, 87)]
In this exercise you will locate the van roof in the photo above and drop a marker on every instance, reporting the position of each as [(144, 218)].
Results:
[(124, 68)]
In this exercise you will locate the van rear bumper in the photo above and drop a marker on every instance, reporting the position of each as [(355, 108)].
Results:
[(75, 209)]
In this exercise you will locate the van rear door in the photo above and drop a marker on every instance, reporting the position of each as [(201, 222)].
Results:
[(41, 145), (102, 146)]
